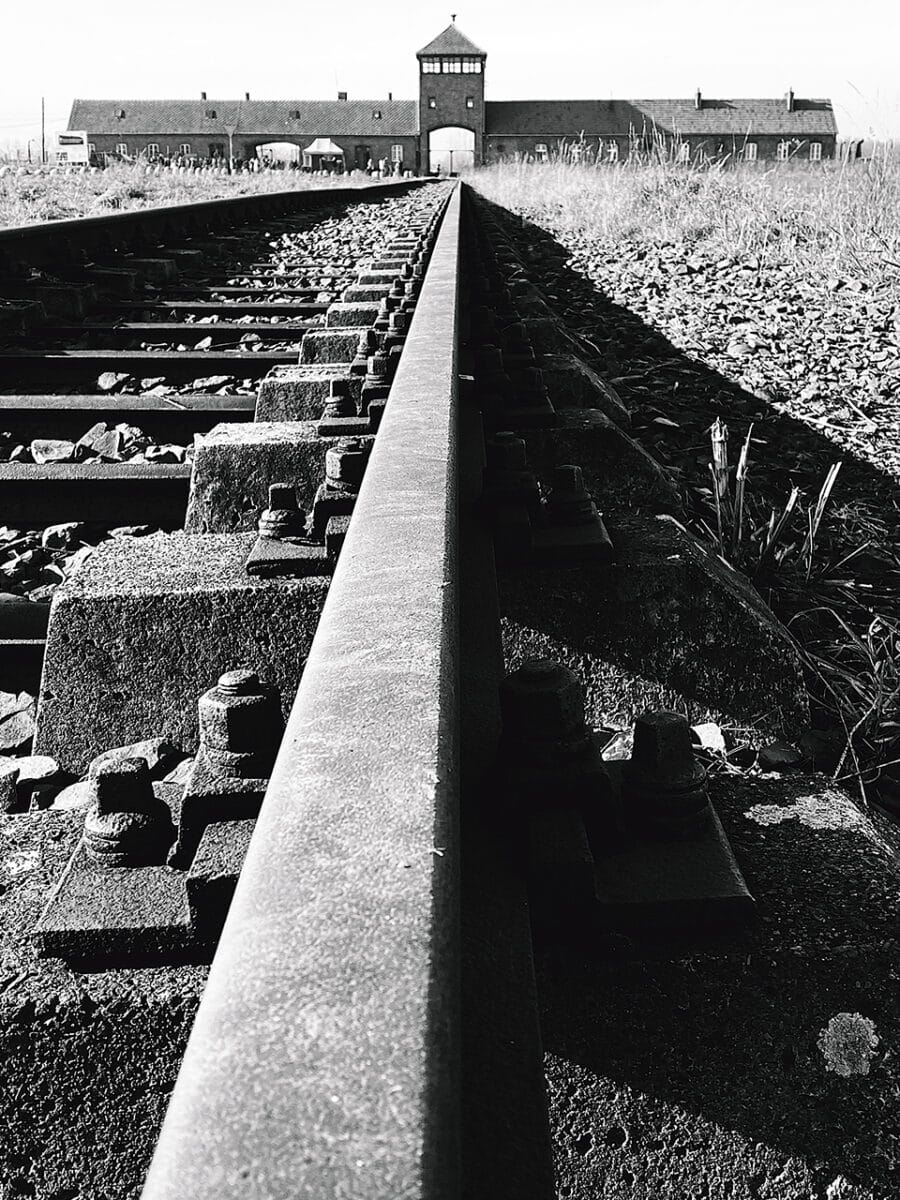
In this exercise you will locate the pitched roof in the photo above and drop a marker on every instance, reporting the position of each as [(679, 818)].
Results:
[(269, 118), (569, 118), (451, 41)]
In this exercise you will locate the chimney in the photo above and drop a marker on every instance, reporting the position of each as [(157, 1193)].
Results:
[(342, 95), (698, 99), (790, 100), (246, 95), (390, 96), (203, 95)]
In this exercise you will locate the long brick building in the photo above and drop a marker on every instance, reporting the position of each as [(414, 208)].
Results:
[(451, 125)]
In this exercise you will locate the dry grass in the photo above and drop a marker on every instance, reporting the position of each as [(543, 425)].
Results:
[(827, 568), (48, 195), (842, 217)]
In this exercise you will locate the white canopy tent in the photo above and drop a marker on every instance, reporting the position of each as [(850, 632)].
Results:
[(322, 153)]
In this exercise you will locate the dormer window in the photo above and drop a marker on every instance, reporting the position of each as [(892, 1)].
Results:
[(376, 114), (121, 114), (295, 114), (211, 113)]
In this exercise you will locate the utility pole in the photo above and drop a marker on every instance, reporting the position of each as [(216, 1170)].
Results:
[(230, 130), (43, 134)]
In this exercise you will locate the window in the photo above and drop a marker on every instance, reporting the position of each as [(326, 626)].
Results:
[(216, 149), (451, 66), (62, 156), (211, 113), (92, 149), (397, 152), (684, 152), (612, 150), (153, 149), (783, 152), (750, 151), (122, 148), (120, 114), (376, 114), (470, 101), (540, 151), (184, 148), (432, 102), (815, 151), (295, 114)]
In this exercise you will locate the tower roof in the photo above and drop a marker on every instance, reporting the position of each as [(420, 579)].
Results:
[(451, 41)]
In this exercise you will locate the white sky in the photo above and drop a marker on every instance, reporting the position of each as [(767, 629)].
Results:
[(279, 49)]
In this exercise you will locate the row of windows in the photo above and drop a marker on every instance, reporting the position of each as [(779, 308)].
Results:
[(451, 66), (683, 153), (432, 101), (215, 149)]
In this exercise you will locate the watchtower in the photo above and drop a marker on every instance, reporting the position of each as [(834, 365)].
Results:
[(451, 102)]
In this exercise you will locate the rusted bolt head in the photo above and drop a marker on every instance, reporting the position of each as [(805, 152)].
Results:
[(283, 517), (126, 823), (123, 785), (506, 452), (542, 700), (242, 682), (663, 751), (340, 402), (345, 463), (367, 344), (569, 502), (240, 714), (377, 365), (282, 495)]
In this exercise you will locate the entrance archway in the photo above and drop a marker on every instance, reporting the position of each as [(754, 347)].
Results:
[(451, 149), (278, 152)]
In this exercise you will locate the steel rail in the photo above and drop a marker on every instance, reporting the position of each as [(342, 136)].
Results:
[(324, 1057), (170, 218)]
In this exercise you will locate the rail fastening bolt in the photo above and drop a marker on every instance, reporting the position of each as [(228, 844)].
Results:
[(282, 517), (664, 776), (506, 452), (345, 464), (542, 700), (340, 402), (126, 824), (240, 725), (569, 502)]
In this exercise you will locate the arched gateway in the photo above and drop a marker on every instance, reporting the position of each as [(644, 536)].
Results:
[(451, 149)]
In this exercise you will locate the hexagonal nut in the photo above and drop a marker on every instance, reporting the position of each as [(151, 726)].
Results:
[(345, 463), (542, 700), (240, 714), (122, 786)]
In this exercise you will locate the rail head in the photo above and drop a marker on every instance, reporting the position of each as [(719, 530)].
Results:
[(125, 225), (323, 1060)]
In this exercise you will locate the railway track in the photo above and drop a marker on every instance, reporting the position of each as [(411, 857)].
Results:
[(406, 664), (212, 319)]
